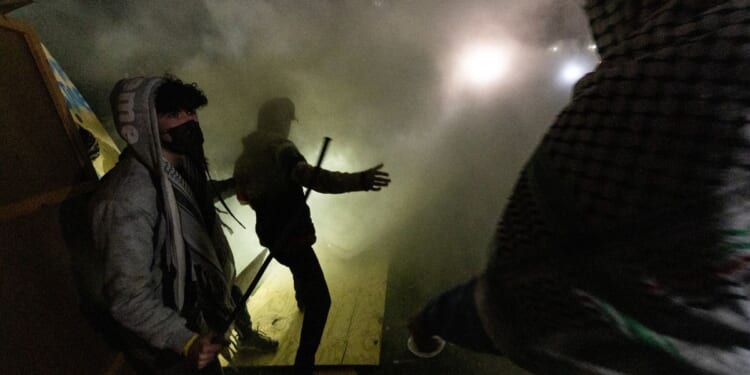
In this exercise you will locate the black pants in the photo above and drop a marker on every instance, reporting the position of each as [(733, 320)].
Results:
[(312, 290), (243, 323)]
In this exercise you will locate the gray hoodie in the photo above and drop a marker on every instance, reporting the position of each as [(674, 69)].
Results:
[(144, 221)]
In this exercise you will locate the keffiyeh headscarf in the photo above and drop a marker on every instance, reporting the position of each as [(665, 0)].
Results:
[(625, 245)]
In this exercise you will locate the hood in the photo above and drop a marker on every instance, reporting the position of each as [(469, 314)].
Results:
[(613, 22), (136, 121), (275, 116), (135, 118)]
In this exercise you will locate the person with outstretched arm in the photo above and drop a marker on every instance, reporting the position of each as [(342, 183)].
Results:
[(270, 175)]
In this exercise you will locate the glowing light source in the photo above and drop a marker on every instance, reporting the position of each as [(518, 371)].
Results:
[(572, 71), (483, 65)]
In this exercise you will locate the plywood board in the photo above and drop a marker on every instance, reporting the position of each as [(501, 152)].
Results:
[(41, 152), (353, 332)]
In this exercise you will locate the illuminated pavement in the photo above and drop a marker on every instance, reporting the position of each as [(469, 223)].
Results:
[(402, 299)]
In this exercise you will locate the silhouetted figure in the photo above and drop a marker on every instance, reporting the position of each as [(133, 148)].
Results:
[(623, 248), (270, 175), (168, 270)]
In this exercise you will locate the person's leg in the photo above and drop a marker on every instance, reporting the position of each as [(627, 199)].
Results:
[(453, 316), (312, 291), (298, 281), (244, 323), (250, 338)]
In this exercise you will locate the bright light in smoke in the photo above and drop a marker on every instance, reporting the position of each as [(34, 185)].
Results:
[(483, 65), (571, 72)]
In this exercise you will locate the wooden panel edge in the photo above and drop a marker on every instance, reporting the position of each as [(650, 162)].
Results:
[(34, 45)]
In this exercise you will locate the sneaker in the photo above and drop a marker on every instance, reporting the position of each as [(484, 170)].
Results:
[(422, 343), (258, 341)]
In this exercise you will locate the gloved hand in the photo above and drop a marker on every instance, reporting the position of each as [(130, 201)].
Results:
[(374, 178)]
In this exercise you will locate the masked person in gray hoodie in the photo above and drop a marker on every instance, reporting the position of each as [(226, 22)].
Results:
[(168, 270), (270, 174), (624, 246)]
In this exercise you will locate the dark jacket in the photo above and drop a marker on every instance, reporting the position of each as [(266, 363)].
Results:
[(623, 248)]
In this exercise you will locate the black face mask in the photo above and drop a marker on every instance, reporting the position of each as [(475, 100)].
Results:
[(187, 139)]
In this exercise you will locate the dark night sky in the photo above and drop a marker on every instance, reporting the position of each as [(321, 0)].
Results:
[(382, 78)]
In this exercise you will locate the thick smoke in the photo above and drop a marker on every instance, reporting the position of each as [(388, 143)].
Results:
[(376, 76)]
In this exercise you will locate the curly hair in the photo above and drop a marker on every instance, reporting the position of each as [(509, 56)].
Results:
[(174, 95)]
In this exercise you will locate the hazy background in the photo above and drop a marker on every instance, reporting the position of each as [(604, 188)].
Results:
[(383, 78)]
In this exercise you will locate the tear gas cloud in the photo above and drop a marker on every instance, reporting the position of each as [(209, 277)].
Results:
[(388, 80)]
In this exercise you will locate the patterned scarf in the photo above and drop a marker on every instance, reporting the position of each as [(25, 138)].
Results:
[(211, 266), (624, 247)]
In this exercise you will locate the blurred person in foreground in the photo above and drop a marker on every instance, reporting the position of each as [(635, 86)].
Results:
[(270, 175), (168, 270), (624, 246)]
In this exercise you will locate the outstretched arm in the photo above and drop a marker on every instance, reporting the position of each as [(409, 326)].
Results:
[(374, 178), (340, 182)]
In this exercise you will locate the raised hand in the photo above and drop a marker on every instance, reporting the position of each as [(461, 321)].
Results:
[(374, 178)]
